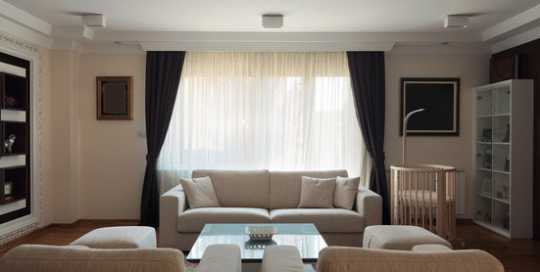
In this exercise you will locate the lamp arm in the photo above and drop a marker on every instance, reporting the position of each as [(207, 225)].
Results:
[(405, 133)]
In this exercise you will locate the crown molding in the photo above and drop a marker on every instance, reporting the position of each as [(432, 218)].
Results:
[(24, 18), (73, 32), (438, 49), (284, 36), (112, 49), (266, 46), (24, 33), (517, 40), (67, 45), (519, 20), (88, 33)]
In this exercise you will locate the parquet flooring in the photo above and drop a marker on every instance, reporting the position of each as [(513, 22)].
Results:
[(519, 255)]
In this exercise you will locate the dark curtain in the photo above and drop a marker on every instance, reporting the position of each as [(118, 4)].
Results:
[(367, 81), (163, 71)]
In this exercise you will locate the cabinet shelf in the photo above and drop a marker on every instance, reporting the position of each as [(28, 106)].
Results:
[(18, 178), (14, 92), (493, 143), (20, 131), (487, 196)]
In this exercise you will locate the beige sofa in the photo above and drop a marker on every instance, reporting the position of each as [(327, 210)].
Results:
[(261, 196), (45, 258), (347, 259)]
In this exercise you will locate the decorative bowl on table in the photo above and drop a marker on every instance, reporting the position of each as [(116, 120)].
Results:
[(261, 232)]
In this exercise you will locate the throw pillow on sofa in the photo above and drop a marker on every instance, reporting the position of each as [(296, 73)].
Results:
[(345, 192), (317, 193), (200, 192)]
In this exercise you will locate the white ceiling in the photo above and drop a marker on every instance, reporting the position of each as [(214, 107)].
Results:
[(366, 21)]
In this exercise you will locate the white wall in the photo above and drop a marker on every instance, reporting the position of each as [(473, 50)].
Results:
[(473, 70)]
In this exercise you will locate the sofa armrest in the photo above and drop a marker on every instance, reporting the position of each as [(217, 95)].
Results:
[(171, 204), (221, 257), (282, 258), (369, 205)]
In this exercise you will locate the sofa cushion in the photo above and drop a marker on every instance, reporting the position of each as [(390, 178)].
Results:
[(317, 193), (285, 186), (326, 220), (200, 192), (193, 220), (345, 192), (239, 188)]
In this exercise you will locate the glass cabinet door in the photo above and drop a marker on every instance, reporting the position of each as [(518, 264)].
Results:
[(501, 156), (484, 150), (492, 156)]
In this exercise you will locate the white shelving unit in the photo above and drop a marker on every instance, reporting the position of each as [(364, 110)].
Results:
[(503, 154)]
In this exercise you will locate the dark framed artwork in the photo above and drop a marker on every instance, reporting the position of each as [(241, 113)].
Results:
[(114, 98), (440, 99)]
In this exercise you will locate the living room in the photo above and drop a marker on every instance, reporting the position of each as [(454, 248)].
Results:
[(93, 169)]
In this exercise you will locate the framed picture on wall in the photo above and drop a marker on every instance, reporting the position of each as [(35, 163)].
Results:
[(440, 99), (114, 98)]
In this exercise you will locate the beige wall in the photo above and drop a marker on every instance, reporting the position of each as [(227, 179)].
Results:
[(473, 70), (112, 152), (65, 140)]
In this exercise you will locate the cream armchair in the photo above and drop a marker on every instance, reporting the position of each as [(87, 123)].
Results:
[(45, 258), (348, 259)]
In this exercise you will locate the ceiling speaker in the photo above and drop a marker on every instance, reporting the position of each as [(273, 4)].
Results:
[(455, 21), (94, 20), (272, 21)]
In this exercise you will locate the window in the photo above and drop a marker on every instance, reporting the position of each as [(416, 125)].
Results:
[(262, 110)]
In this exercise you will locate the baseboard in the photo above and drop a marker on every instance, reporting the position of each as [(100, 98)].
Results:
[(65, 225), (108, 222), (460, 222), (98, 223), (19, 240)]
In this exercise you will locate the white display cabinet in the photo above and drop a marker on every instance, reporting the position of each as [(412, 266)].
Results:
[(503, 154)]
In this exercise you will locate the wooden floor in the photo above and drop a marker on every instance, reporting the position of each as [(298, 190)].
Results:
[(516, 255)]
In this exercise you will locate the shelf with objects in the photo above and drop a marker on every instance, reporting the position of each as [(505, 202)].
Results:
[(503, 130), (15, 150), (14, 184), (15, 135)]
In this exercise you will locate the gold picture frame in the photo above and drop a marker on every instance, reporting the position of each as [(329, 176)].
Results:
[(114, 98)]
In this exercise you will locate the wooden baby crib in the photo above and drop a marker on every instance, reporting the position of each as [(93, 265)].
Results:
[(424, 195)]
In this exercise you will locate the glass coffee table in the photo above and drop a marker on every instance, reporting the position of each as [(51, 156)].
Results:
[(305, 237)]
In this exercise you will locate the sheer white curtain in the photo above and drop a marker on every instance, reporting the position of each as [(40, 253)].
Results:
[(263, 110)]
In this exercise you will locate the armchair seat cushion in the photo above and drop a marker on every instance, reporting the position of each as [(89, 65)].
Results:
[(326, 220), (400, 237), (193, 220)]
